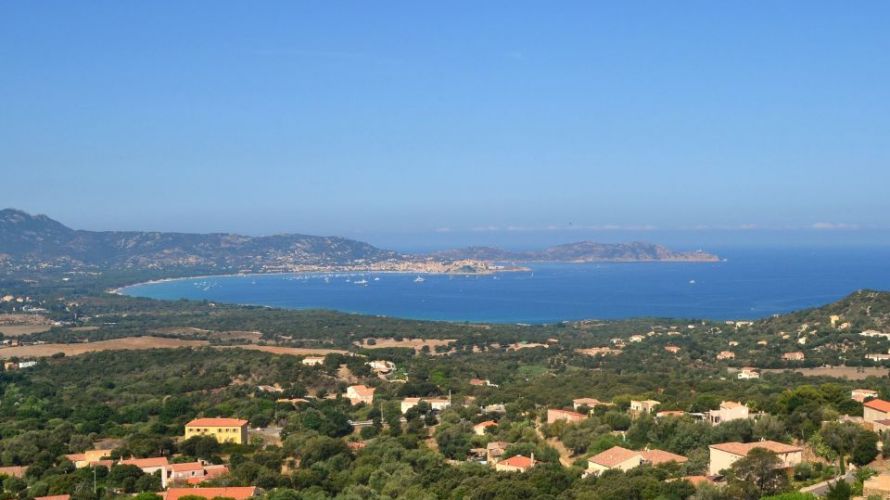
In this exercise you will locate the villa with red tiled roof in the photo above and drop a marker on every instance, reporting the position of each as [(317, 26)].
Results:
[(624, 459), (876, 409), (658, 457), (358, 394), (210, 472), (516, 463), (150, 466), (14, 471), (184, 472), (723, 455), (479, 429)]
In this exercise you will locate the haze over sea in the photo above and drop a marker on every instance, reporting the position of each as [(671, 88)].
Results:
[(749, 284)]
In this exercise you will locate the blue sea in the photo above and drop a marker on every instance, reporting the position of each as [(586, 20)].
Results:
[(749, 284)]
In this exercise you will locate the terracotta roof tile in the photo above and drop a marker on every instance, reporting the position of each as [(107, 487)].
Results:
[(216, 422), (613, 456), (878, 404), (185, 467), (656, 457), (236, 492), (146, 462), (742, 449), (517, 461), (363, 390)]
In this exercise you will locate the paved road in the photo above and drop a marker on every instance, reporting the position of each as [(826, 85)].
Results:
[(820, 489)]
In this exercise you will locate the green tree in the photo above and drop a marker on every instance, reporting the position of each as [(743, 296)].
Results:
[(865, 448), (839, 490), (758, 474), (841, 438)]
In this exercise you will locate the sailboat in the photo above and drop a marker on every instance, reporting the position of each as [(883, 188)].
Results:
[(419, 279)]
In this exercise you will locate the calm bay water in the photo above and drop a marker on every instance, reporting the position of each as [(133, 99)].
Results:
[(750, 284)]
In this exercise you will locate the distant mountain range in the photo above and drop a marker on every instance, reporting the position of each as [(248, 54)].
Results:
[(582, 251), (26, 238), (39, 241)]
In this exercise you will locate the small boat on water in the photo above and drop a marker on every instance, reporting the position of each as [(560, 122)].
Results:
[(360, 282), (377, 278), (419, 279)]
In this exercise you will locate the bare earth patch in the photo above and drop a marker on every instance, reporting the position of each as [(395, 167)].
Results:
[(19, 330), (524, 345), (123, 344), (598, 351), (847, 372), (416, 344)]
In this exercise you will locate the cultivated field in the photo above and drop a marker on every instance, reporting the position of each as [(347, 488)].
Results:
[(847, 372), (14, 325), (225, 336), (124, 344), (289, 351), (139, 343)]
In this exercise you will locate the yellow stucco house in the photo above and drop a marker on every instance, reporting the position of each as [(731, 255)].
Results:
[(224, 430)]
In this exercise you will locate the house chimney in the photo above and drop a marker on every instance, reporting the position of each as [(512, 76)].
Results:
[(533, 459)]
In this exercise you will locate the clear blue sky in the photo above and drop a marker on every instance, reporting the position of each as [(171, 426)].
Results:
[(473, 118)]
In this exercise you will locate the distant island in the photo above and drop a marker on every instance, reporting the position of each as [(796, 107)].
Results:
[(37, 242)]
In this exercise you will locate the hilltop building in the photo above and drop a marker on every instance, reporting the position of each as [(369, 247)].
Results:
[(224, 430)]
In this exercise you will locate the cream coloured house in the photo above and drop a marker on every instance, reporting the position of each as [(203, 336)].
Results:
[(861, 395), (729, 410), (588, 402), (640, 407), (723, 455)]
